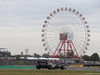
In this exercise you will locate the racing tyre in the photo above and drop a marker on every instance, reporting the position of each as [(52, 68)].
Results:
[(49, 67), (38, 67), (62, 67)]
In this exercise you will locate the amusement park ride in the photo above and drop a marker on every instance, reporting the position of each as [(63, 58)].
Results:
[(65, 33)]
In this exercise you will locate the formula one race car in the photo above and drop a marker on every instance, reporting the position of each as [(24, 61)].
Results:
[(49, 65)]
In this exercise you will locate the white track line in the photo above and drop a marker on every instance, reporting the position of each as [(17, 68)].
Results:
[(93, 73)]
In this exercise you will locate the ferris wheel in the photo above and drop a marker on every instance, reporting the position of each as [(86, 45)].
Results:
[(65, 32)]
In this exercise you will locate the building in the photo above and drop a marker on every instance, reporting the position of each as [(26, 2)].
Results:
[(4, 52)]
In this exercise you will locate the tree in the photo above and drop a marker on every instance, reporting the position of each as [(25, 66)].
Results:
[(86, 58), (70, 54), (36, 55), (61, 55), (45, 55), (94, 57)]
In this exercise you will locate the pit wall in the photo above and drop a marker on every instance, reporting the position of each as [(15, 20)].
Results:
[(91, 66)]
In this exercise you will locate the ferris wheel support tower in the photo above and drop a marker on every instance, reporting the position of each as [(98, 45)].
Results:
[(66, 45)]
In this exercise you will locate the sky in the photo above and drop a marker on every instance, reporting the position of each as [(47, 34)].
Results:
[(21, 23)]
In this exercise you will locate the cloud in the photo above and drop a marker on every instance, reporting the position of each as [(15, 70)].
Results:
[(94, 43), (21, 21)]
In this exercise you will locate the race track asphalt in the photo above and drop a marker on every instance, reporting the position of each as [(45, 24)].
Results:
[(83, 68)]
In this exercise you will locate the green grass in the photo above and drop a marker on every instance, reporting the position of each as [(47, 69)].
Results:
[(43, 72), (17, 67)]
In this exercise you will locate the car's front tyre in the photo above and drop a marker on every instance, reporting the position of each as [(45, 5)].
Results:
[(38, 67)]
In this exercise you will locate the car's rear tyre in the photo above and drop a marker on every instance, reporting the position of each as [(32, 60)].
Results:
[(62, 67), (38, 67), (49, 67)]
